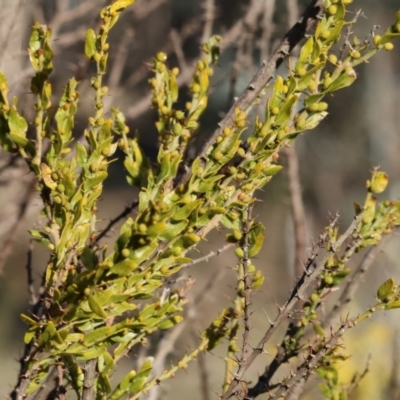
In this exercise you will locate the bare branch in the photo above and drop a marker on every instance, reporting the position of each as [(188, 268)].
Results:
[(211, 254), (298, 292), (299, 217)]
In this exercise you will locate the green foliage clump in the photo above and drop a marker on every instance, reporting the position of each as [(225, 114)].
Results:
[(97, 305)]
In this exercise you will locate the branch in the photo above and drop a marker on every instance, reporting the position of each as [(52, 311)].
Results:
[(299, 217), (298, 292), (207, 257), (309, 366), (125, 213), (295, 35), (89, 374), (247, 287)]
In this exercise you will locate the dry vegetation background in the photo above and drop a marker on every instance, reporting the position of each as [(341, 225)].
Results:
[(361, 131)]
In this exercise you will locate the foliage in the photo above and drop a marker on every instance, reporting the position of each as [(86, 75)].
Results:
[(98, 304)]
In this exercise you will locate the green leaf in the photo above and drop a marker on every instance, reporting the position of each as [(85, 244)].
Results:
[(123, 268), (170, 322), (144, 252), (285, 111), (344, 80), (305, 52), (93, 352), (95, 179), (140, 379), (173, 230), (385, 289), (96, 307), (393, 304), (318, 329), (256, 239), (181, 213), (90, 43)]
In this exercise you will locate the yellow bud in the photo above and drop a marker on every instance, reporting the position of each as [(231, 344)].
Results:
[(218, 156), (312, 86), (314, 297), (226, 131), (275, 110), (196, 88), (388, 46), (325, 34), (125, 253), (332, 10), (378, 182), (240, 123), (239, 252), (333, 58), (161, 57), (313, 107), (377, 39), (301, 72), (322, 106)]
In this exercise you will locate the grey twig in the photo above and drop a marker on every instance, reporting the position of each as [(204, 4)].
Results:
[(207, 257), (128, 209)]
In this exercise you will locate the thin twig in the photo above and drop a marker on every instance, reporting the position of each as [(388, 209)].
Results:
[(247, 287), (357, 378), (309, 366), (32, 294), (128, 209), (207, 257)]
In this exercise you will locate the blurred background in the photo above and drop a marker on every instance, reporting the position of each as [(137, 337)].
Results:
[(334, 160)]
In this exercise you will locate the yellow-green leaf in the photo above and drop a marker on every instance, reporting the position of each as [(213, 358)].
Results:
[(385, 289), (90, 43)]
